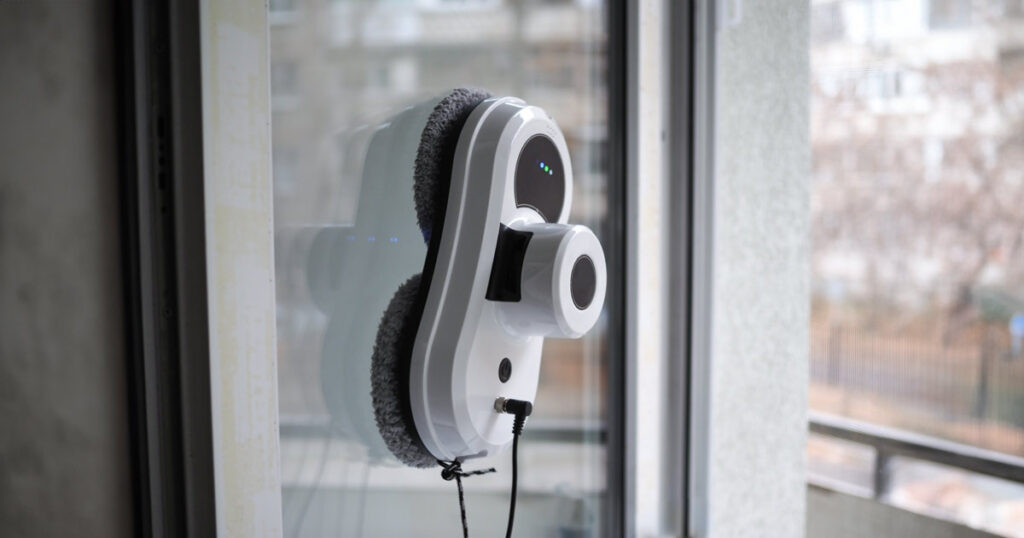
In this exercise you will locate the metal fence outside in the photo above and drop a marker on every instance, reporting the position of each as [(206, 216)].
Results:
[(971, 393)]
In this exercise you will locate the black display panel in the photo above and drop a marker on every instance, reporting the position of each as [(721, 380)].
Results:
[(540, 178)]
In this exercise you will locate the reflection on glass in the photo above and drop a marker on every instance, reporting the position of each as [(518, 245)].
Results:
[(917, 132), (338, 69)]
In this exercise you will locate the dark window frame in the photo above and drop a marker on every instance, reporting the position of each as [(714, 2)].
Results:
[(163, 247)]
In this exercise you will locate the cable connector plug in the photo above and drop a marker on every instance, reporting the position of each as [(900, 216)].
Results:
[(520, 408), (513, 406)]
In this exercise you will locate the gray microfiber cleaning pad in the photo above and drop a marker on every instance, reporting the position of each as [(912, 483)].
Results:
[(388, 379), (433, 168), (392, 350)]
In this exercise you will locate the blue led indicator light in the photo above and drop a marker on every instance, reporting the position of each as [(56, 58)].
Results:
[(371, 238), (542, 165), (393, 239)]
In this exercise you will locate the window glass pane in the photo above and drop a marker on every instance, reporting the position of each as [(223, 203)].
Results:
[(338, 69), (917, 132)]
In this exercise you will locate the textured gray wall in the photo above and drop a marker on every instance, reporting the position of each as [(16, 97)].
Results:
[(63, 450), (760, 295), (837, 515)]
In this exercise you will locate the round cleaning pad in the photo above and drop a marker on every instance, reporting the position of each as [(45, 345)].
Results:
[(433, 169), (389, 378)]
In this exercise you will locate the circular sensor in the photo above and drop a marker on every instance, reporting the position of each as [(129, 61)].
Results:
[(583, 282), (504, 370)]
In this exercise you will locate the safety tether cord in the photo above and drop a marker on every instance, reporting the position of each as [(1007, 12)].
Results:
[(453, 470)]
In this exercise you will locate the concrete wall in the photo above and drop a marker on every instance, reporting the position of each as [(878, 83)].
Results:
[(64, 447), (837, 515), (760, 284)]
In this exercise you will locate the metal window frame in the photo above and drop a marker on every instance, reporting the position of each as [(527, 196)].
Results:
[(619, 482), (701, 122), (688, 109), (682, 186), (164, 263)]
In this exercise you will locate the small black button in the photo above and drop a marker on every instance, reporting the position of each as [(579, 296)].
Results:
[(505, 370), (583, 282)]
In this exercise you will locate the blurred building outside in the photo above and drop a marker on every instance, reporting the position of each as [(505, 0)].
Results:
[(917, 134)]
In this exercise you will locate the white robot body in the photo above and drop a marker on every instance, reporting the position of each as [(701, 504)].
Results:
[(469, 349)]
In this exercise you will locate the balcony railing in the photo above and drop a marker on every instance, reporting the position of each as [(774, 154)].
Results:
[(891, 442)]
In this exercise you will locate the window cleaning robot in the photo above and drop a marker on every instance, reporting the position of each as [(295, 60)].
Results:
[(484, 269)]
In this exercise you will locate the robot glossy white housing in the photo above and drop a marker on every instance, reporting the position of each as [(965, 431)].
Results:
[(509, 271)]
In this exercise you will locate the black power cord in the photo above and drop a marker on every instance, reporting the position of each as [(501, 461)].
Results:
[(452, 470), (521, 409)]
